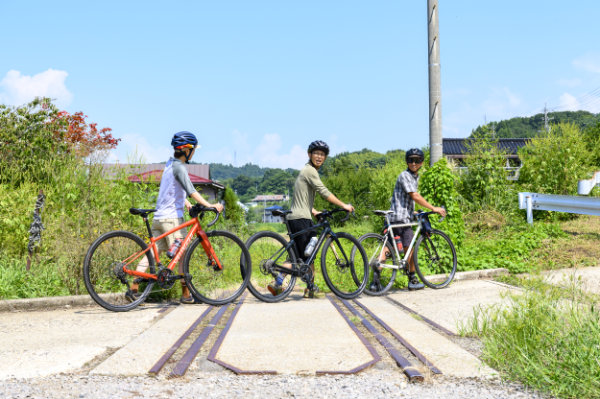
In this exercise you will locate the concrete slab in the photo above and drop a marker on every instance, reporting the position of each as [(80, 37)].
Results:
[(42, 343), (448, 357), (586, 279), (292, 337), (454, 305), (141, 353)]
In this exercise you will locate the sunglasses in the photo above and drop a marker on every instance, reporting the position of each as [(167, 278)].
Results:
[(414, 160)]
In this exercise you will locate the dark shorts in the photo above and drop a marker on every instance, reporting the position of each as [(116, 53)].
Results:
[(406, 235), (302, 240)]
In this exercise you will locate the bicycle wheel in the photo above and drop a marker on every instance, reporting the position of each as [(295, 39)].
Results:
[(103, 272), (265, 248), (373, 243), (345, 275), (209, 283), (435, 259)]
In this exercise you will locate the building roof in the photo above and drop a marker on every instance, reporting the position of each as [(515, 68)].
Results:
[(201, 170), (273, 197), (458, 147), (199, 174), (156, 175)]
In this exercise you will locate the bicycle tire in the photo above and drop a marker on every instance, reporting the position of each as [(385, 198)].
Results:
[(435, 259), (345, 275), (263, 246), (372, 243), (102, 270), (207, 282)]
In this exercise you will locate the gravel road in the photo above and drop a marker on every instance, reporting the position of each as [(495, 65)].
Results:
[(372, 385)]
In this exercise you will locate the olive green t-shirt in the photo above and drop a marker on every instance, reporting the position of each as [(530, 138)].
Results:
[(307, 184)]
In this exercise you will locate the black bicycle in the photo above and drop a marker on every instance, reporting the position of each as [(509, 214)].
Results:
[(345, 275)]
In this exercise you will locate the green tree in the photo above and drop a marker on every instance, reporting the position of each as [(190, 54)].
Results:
[(233, 211), (554, 163), (438, 186), (484, 184)]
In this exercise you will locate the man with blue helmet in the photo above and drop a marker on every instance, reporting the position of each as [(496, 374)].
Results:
[(175, 187)]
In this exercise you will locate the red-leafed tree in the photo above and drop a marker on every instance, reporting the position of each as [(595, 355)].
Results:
[(82, 138)]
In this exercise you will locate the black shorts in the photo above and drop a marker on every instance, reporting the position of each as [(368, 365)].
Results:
[(302, 240), (406, 235)]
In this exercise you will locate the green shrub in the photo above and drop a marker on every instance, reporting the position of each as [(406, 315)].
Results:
[(438, 186), (547, 338), (554, 163)]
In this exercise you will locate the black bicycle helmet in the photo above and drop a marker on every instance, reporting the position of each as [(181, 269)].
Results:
[(318, 145), (414, 152), (184, 140)]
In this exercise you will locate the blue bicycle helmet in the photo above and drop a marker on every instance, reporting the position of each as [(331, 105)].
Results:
[(184, 140)]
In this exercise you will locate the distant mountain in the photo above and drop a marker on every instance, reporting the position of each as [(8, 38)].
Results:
[(219, 171), (534, 125)]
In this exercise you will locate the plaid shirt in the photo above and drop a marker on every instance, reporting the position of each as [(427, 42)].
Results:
[(402, 205)]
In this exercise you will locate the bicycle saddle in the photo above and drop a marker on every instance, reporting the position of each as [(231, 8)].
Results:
[(140, 211), (280, 212), (383, 212)]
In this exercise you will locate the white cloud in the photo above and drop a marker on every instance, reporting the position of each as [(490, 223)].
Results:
[(589, 62), (568, 102), (269, 151), (18, 89), (134, 148)]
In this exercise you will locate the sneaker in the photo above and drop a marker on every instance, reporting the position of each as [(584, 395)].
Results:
[(188, 300), (375, 284), (414, 283), (275, 289)]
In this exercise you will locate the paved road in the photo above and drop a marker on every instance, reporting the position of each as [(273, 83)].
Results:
[(294, 337)]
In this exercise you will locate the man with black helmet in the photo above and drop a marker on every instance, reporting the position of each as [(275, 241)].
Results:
[(175, 187), (403, 206), (307, 184)]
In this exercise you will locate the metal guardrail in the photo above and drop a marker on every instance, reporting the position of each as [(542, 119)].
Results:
[(558, 203)]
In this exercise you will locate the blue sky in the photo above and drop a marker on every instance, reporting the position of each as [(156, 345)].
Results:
[(258, 80)]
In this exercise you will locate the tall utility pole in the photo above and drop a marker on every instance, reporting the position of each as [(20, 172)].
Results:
[(435, 87)]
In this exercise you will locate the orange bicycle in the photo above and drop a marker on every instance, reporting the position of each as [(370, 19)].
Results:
[(216, 264)]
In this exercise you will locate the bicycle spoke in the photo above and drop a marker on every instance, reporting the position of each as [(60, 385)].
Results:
[(382, 260), (207, 281), (268, 249), (435, 259), (104, 277), (344, 274)]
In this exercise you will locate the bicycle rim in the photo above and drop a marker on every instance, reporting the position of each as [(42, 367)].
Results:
[(267, 247), (103, 272), (209, 283), (435, 259), (373, 243), (345, 275)]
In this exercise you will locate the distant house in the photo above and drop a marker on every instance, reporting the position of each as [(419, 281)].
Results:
[(259, 199), (268, 215), (457, 150), (152, 174)]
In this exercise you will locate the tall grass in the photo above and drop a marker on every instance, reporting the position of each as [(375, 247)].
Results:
[(547, 338)]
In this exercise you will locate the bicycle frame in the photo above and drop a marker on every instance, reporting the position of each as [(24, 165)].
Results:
[(390, 235), (196, 229), (322, 237)]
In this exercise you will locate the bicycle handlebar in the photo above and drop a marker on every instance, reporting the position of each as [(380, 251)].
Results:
[(329, 213), (421, 213), (198, 211)]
